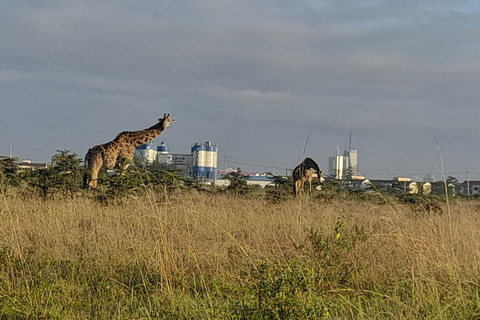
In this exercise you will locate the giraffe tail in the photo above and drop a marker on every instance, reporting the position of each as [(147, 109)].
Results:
[(86, 166), (85, 180)]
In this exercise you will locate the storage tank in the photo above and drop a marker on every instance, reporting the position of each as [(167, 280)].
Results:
[(163, 148), (199, 161), (146, 152), (211, 150)]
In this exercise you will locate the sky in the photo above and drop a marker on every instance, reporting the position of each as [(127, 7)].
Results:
[(270, 81)]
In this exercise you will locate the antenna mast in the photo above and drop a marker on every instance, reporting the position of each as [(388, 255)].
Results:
[(350, 140)]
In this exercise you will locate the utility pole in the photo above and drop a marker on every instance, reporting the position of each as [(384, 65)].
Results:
[(10, 155)]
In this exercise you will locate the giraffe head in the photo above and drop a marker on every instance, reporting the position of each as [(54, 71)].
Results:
[(166, 120)]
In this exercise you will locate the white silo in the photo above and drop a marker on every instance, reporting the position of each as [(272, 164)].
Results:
[(146, 153), (163, 156), (199, 161), (211, 150)]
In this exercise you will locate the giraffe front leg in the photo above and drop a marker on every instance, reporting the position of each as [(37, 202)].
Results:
[(123, 162), (93, 181)]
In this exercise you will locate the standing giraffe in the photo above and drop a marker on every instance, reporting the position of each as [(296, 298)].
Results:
[(108, 155), (304, 173)]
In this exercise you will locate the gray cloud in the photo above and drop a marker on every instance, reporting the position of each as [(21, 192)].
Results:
[(255, 77)]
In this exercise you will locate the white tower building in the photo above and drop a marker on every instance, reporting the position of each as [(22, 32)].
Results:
[(346, 165), (351, 157), (336, 165)]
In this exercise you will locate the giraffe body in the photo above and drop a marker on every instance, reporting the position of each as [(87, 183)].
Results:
[(110, 155), (300, 183), (304, 173)]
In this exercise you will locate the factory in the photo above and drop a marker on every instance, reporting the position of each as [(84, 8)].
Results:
[(200, 164)]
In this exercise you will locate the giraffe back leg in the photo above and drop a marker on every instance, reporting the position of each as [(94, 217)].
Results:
[(298, 187), (95, 167)]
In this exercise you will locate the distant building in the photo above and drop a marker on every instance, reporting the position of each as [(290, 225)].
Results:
[(256, 179), (343, 166), (471, 188), (336, 167), (263, 180), (351, 162), (29, 165), (200, 164)]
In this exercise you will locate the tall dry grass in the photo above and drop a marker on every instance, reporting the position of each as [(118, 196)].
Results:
[(201, 256)]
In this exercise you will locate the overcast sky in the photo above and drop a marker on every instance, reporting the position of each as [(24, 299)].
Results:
[(255, 77)]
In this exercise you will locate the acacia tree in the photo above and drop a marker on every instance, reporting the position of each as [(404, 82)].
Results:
[(67, 171), (9, 171), (238, 183), (63, 176)]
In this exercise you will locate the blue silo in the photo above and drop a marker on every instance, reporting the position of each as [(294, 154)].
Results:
[(163, 148), (143, 146)]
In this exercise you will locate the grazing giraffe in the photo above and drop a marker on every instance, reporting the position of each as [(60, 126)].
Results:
[(304, 173), (109, 155)]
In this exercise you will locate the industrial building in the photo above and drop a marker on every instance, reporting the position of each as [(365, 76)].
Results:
[(200, 164)]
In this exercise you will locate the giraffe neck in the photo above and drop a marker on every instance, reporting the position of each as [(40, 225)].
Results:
[(137, 138)]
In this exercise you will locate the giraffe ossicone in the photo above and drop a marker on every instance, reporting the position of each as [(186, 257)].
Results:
[(109, 155)]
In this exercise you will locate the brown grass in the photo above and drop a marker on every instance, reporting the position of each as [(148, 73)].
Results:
[(193, 255)]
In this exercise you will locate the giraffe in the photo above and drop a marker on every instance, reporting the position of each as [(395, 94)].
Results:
[(108, 155), (304, 173)]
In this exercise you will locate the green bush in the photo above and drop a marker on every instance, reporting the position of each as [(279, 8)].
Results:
[(9, 173), (63, 177), (134, 181)]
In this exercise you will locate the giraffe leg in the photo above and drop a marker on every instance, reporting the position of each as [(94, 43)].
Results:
[(297, 188), (123, 161), (96, 165)]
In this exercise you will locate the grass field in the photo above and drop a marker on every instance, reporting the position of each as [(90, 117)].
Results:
[(210, 256)]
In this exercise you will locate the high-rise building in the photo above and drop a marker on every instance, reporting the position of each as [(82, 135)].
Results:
[(351, 159), (336, 167), (346, 165)]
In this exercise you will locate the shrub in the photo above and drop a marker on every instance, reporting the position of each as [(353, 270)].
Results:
[(63, 177), (9, 174)]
